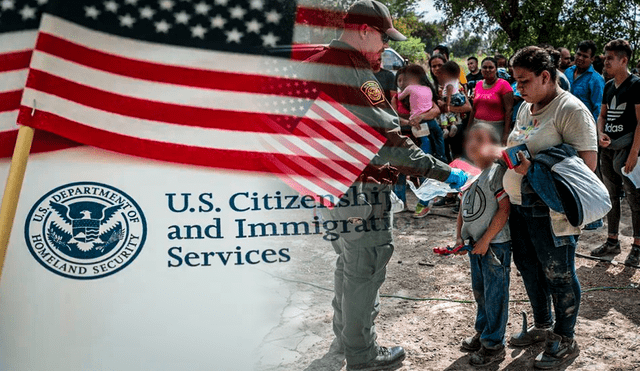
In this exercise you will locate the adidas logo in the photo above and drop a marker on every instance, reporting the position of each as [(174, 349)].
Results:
[(615, 111)]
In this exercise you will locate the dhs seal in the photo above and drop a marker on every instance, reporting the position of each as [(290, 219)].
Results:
[(85, 230)]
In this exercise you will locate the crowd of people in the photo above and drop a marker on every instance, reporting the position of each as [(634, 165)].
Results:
[(537, 126), (541, 97)]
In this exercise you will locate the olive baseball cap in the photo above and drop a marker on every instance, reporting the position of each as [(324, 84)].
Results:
[(375, 14)]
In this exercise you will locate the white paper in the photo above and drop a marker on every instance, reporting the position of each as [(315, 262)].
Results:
[(634, 176)]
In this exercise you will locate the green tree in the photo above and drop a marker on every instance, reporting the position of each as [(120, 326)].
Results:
[(522, 22), (557, 22), (412, 49), (601, 21), (465, 45), (430, 33)]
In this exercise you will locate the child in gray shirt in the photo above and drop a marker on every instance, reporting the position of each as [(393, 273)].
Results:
[(482, 222)]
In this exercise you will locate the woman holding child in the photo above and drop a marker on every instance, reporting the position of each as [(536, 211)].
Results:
[(445, 74), (543, 242)]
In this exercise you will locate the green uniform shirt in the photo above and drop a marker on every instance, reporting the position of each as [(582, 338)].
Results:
[(345, 75)]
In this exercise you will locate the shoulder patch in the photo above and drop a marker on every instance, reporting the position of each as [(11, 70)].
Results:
[(373, 92)]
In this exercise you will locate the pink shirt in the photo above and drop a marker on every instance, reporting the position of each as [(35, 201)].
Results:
[(488, 102), (421, 98)]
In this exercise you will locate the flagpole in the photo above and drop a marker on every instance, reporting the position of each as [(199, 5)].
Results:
[(13, 187)]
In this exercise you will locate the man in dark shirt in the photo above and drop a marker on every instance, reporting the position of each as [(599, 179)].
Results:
[(619, 132), (386, 79), (474, 74)]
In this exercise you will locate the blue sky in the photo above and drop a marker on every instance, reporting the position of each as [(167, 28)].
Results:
[(431, 13)]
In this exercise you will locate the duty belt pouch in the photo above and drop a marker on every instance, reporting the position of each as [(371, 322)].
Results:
[(355, 213)]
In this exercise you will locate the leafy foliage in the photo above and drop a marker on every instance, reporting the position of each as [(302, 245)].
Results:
[(466, 44), (556, 22), (412, 49)]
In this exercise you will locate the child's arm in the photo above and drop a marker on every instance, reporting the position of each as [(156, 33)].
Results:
[(497, 223), (404, 93), (459, 240), (394, 102), (450, 93)]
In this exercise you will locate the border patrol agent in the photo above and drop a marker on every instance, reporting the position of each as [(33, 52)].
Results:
[(343, 71)]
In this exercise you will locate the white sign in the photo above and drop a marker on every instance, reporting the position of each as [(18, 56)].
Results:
[(121, 263)]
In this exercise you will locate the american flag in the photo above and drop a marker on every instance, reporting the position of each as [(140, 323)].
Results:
[(191, 81), (19, 21)]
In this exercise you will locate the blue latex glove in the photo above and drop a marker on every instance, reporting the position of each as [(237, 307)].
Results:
[(457, 178)]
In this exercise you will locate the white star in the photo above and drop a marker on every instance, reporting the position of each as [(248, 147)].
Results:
[(222, 2), (182, 17), (218, 21), (253, 26), (147, 12), (28, 12), (234, 35), (198, 31), (111, 6), (41, 2), (91, 12), (273, 16), (162, 26), (269, 39), (237, 12), (7, 4), (202, 8), (166, 4), (127, 20), (257, 4), (131, 2)]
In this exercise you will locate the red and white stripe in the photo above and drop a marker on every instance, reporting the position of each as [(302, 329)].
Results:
[(352, 144), (15, 53), (182, 105)]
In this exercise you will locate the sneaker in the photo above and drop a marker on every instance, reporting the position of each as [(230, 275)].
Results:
[(594, 225), (532, 336), (607, 248), (558, 351), (387, 359), (472, 343), (445, 201), (634, 256), (486, 356), (422, 211), (453, 131)]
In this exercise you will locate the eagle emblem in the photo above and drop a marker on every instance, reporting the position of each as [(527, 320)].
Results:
[(85, 229)]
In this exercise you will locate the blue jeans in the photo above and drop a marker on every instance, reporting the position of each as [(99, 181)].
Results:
[(434, 143), (547, 265), (490, 283)]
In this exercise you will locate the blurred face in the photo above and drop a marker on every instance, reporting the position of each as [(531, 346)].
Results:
[(565, 58), (489, 71), (584, 59), (472, 64), (532, 88), (435, 66), (476, 147), (613, 64), (502, 63), (401, 82)]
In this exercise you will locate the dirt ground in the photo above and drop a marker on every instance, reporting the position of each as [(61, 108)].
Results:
[(608, 330)]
